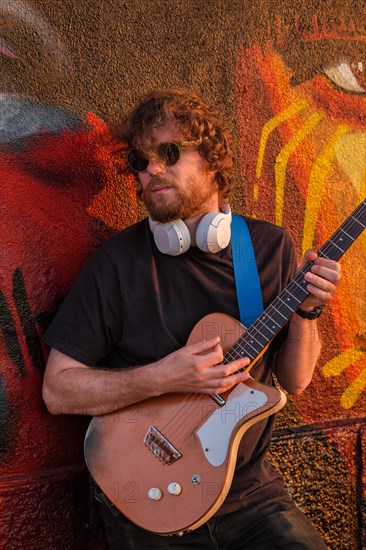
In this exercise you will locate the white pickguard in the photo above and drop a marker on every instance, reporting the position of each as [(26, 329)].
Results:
[(215, 433)]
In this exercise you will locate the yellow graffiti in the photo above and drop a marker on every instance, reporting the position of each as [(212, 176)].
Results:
[(283, 158), (353, 165), (317, 182), (337, 365), (340, 363), (354, 391), (268, 128)]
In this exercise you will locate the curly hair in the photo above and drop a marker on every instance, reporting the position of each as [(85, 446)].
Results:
[(194, 119)]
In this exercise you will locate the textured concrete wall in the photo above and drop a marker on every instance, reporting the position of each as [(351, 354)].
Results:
[(291, 81)]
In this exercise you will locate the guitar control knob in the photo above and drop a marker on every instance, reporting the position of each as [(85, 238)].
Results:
[(174, 489), (154, 493)]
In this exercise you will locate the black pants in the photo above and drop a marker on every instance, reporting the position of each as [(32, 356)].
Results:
[(275, 523)]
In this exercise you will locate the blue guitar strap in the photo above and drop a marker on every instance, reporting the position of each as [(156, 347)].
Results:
[(248, 289)]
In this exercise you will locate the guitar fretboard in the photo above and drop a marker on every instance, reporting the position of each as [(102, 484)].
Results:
[(276, 315)]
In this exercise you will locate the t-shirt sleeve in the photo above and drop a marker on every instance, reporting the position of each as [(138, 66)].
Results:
[(89, 320)]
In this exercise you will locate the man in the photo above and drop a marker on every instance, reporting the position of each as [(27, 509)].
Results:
[(137, 300)]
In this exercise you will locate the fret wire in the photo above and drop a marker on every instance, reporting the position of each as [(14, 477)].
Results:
[(358, 221), (350, 224), (260, 321), (252, 336), (351, 221), (241, 347), (345, 232), (336, 235), (242, 338), (286, 304), (342, 230), (343, 241), (302, 288), (229, 356), (294, 297), (249, 333), (279, 321), (272, 319), (341, 249), (277, 311), (322, 254), (243, 341), (245, 352)]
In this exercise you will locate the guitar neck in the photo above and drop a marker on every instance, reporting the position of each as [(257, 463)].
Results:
[(276, 315)]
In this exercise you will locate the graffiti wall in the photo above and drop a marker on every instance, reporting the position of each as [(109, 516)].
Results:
[(291, 82), (300, 85)]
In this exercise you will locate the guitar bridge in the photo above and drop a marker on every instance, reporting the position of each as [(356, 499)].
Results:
[(160, 447)]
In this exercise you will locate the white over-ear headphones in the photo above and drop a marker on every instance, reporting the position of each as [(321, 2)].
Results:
[(212, 234)]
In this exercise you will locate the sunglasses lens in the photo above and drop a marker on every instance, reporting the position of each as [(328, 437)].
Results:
[(136, 161), (169, 153)]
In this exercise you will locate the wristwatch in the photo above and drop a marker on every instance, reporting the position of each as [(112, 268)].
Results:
[(312, 314)]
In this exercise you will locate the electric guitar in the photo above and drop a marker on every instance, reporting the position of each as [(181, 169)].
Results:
[(167, 463)]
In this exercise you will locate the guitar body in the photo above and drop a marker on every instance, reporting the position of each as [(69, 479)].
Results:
[(167, 463)]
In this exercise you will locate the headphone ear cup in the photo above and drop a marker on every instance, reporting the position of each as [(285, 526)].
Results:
[(172, 238), (214, 232)]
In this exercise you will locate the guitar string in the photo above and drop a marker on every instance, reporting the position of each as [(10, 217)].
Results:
[(178, 430), (193, 398), (175, 426), (190, 405)]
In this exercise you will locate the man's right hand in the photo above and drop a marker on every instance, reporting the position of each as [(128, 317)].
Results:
[(198, 368)]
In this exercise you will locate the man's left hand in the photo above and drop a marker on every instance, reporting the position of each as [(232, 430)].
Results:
[(323, 279)]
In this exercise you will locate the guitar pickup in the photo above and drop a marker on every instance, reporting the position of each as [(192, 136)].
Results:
[(160, 447)]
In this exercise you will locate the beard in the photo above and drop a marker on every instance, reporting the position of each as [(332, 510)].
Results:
[(178, 204)]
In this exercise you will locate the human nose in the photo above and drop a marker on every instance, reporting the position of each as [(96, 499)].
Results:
[(155, 166)]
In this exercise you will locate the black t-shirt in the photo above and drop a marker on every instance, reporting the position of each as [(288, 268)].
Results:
[(132, 305)]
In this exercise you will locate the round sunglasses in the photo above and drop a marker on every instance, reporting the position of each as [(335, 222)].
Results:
[(168, 153)]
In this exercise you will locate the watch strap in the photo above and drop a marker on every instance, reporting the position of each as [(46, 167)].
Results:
[(312, 314)]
